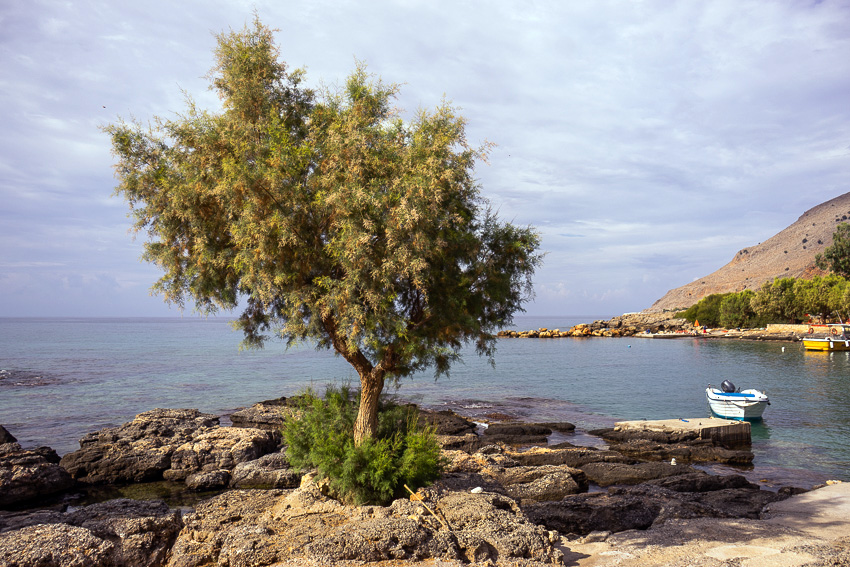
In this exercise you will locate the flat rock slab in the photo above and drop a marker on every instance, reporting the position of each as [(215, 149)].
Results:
[(726, 432)]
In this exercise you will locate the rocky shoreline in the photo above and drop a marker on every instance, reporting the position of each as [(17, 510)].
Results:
[(507, 497), (663, 324)]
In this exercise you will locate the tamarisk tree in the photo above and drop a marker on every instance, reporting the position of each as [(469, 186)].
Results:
[(325, 218)]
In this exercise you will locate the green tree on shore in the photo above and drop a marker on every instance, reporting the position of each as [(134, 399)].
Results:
[(327, 217), (836, 257)]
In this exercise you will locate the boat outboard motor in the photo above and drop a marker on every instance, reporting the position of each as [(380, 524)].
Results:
[(727, 387)]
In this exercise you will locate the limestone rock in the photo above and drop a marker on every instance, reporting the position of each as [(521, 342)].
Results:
[(608, 474), (288, 527), (55, 545), (30, 474), (137, 451), (269, 471), (574, 457), (219, 448), (537, 484), (447, 422), (116, 533), (269, 415), (208, 480)]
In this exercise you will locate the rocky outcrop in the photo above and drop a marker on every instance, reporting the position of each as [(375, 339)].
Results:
[(790, 253), (269, 471), (220, 448), (6, 437), (265, 527), (685, 447), (269, 415), (609, 474), (117, 533), (642, 506), (166, 444), (447, 423), (29, 474), (626, 325)]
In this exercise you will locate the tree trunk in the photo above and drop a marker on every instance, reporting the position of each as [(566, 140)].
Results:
[(371, 386)]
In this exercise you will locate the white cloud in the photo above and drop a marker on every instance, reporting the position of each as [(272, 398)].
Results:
[(648, 141)]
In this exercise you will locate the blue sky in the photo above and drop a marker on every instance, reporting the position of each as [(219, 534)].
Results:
[(648, 141)]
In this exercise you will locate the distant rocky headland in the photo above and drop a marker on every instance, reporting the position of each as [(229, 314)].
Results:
[(790, 253)]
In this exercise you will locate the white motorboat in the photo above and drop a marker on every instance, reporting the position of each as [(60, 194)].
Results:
[(731, 403)]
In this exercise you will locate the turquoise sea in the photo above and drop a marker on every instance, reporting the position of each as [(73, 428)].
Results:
[(62, 378)]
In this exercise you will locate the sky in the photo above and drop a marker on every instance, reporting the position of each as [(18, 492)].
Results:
[(647, 141)]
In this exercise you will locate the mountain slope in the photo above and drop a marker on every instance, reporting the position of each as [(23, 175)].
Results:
[(791, 253)]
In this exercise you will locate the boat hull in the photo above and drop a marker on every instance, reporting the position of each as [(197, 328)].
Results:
[(748, 405), (826, 345)]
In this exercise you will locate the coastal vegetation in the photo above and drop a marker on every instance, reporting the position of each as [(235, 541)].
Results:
[(320, 437), (784, 300), (328, 219), (836, 258)]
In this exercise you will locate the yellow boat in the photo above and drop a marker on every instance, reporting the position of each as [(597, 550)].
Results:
[(836, 338)]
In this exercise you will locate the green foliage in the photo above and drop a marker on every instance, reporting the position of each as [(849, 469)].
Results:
[(325, 214), (736, 310), (706, 310), (783, 300), (376, 470), (836, 257)]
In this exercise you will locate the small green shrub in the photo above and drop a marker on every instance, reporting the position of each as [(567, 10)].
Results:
[(321, 437)]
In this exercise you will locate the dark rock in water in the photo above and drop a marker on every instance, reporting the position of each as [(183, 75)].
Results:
[(608, 474), (269, 471), (447, 422), (165, 444), (517, 440), (559, 426), (270, 414), (116, 533), (30, 474), (5, 436)]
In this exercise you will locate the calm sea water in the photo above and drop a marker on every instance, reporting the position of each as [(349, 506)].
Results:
[(62, 378)]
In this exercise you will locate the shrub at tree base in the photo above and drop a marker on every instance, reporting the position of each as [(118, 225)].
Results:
[(374, 472)]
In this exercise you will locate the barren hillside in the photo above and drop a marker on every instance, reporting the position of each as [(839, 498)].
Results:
[(791, 253)]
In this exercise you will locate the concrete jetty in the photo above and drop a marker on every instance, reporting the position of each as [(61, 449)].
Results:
[(725, 432)]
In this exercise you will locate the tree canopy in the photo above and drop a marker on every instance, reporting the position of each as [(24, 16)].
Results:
[(836, 257), (326, 217)]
